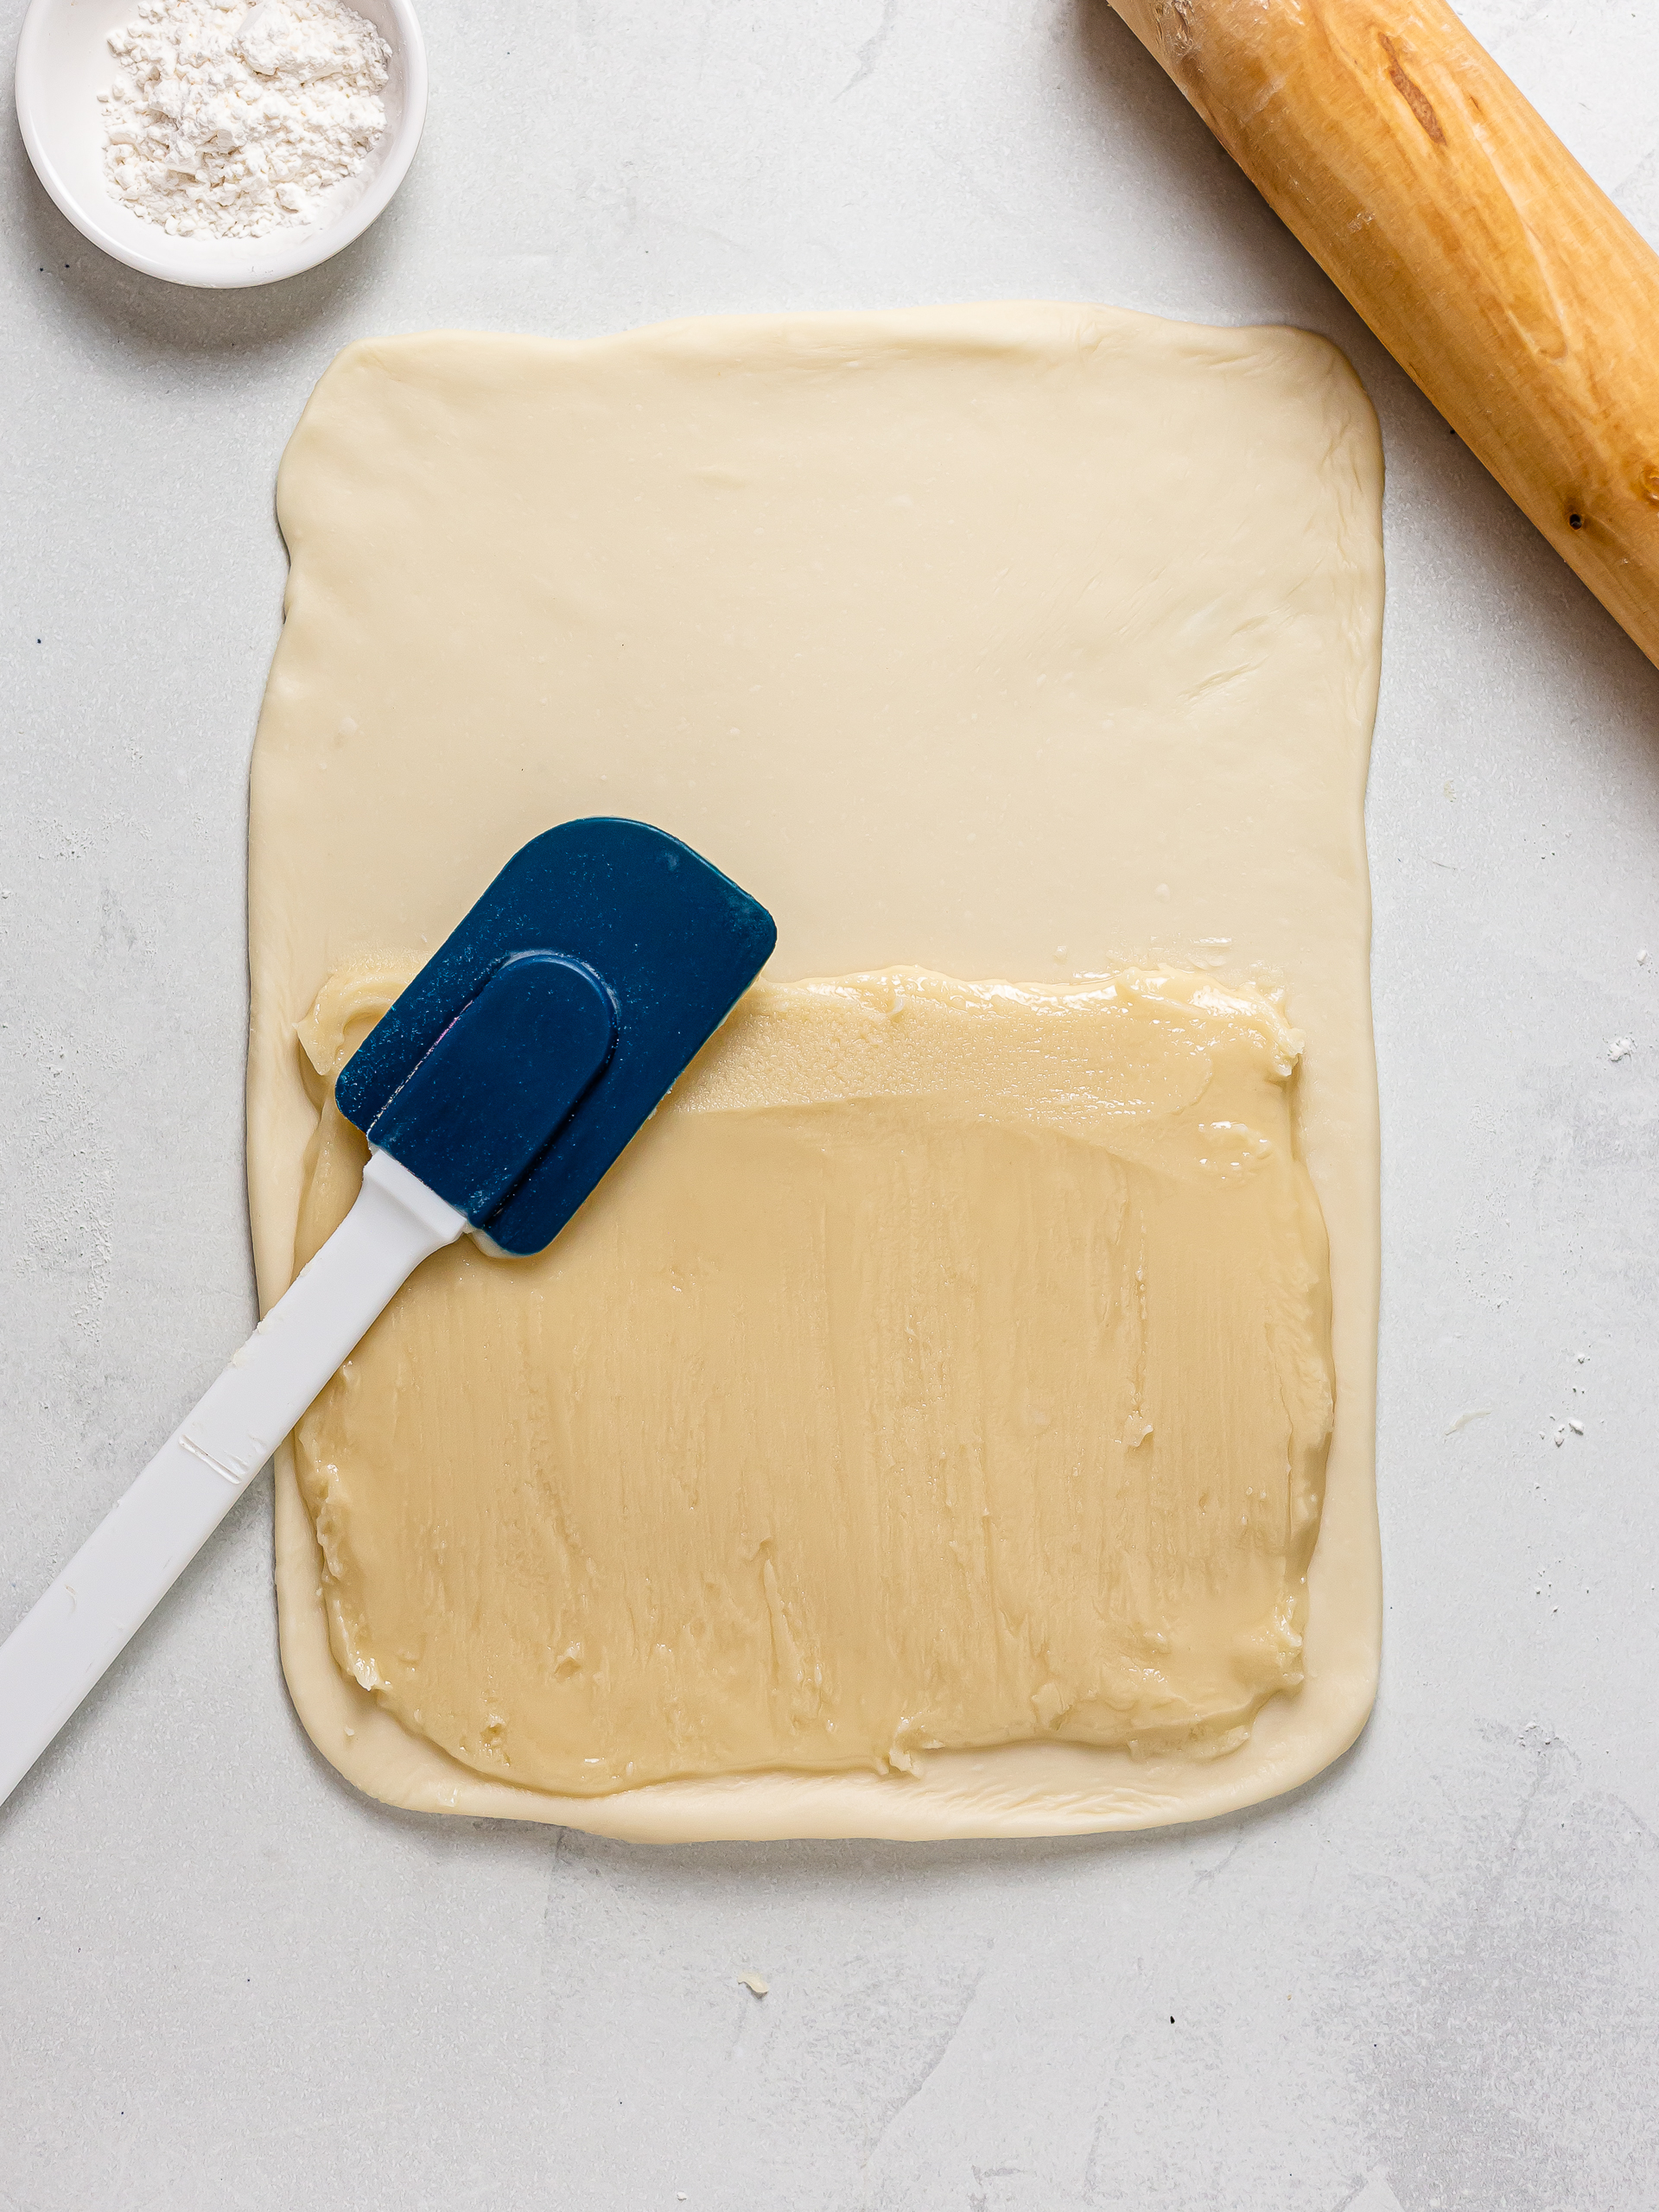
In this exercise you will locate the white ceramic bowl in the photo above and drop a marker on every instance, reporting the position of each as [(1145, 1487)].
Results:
[(63, 62)]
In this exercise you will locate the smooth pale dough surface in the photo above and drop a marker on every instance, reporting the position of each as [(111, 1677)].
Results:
[(1018, 641), (944, 1365)]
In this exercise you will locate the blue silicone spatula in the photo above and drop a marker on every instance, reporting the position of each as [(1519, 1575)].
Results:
[(494, 1094)]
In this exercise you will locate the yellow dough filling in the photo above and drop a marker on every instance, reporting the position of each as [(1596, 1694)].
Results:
[(945, 1365)]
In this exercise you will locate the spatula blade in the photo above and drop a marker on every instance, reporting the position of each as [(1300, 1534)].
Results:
[(670, 944)]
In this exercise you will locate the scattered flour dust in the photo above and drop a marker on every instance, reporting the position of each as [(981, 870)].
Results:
[(225, 121)]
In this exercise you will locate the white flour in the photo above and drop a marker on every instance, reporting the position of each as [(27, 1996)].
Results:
[(225, 121)]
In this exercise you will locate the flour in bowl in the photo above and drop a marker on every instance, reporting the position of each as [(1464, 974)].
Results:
[(227, 122)]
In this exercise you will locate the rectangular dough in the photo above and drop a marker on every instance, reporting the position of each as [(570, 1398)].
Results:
[(1009, 641)]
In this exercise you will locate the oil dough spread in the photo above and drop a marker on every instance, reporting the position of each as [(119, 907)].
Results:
[(945, 1365), (993, 1360)]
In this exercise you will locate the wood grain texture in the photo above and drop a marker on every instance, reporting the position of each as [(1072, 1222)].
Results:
[(1494, 270)]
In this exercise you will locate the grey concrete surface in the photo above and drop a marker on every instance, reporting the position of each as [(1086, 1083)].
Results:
[(1432, 1979)]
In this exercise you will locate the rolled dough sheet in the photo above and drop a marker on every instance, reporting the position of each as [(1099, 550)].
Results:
[(1010, 641)]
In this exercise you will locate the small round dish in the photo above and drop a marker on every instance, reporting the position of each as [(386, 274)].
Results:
[(64, 61)]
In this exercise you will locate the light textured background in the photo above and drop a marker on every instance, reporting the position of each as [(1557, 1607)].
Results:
[(1429, 1981)]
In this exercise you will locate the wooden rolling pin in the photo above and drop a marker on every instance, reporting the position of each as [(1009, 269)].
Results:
[(1500, 277)]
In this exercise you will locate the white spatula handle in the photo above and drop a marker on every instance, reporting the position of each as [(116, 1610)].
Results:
[(60, 1648)]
